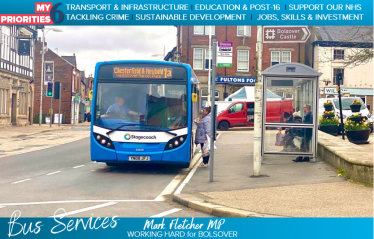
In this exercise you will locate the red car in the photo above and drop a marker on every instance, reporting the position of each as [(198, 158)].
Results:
[(241, 114)]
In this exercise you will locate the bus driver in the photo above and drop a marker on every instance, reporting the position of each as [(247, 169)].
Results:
[(120, 107)]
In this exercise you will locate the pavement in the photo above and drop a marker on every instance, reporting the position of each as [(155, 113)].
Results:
[(16, 140), (285, 189)]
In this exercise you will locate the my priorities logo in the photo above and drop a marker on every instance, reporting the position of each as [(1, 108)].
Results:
[(129, 136)]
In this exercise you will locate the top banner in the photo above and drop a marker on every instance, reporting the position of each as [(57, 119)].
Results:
[(112, 12)]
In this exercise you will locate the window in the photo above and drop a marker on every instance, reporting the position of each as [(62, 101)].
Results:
[(3, 101), (22, 103), (236, 108), (243, 60), (244, 31), (286, 56), (204, 93), (338, 54), (198, 30), (276, 57), (208, 57), (204, 30), (337, 71), (198, 58), (5, 42)]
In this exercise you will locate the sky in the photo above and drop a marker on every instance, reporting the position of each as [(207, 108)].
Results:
[(93, 44)]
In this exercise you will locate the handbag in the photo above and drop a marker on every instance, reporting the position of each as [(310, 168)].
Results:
[(206, 148), (279, 139)]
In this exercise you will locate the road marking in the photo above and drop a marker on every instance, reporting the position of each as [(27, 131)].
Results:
[(174, 210), (84, 210), (189, 176), (79, 166), (22, 181), (218, 136), (73, 201), (2, 206), (175, 182), (53, 173)]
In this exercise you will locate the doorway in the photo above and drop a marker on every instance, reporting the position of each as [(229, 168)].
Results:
[(14, 109)]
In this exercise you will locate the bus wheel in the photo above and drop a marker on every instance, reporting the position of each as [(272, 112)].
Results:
[(224, 125), (112, 164)]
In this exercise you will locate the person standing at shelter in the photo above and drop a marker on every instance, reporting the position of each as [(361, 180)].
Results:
[(204, 129), (308, 134)]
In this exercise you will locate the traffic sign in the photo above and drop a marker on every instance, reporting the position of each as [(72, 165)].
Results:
[(285, 34), (224, 54)]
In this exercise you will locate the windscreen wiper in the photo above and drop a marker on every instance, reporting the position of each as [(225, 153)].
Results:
[(153, 126), (119, 127)]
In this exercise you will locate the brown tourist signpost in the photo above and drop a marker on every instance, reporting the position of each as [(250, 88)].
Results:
[(285, 34)]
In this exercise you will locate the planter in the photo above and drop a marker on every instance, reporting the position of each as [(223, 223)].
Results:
[(355, 108), (332, 129), (357, 119), (328, 107), (328, 116), (358, 136)]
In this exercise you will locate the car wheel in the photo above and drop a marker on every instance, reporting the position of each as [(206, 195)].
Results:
[(224, 125)]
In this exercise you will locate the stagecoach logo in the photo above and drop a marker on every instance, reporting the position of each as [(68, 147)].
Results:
[(129, 136)]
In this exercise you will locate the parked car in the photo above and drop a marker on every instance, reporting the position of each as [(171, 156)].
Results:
[(241, 114)]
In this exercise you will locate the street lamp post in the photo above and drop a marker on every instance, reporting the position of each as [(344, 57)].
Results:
[(42, 72)]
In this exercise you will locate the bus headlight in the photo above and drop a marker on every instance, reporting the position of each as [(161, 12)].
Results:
[(104, 141), (175, 142)]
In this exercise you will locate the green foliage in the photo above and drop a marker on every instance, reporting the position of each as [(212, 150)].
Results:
[(327, 121), (351, 125)]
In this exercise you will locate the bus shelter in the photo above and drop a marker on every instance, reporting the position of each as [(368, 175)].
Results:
[(290, 123)]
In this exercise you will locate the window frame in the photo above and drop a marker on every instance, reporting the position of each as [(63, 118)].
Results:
[(202, 59), (242, 35), (237, 61), (339, 56)]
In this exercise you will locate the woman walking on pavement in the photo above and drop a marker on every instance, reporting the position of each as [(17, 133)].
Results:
[(204, 129)]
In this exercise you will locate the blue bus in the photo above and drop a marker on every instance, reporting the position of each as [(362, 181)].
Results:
[(142, 112)]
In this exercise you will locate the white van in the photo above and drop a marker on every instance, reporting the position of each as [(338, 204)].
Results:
[(346, 102)]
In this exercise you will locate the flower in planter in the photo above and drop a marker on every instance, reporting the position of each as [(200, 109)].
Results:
[(329, 102), (355, 115), (351, 125), (328, 121), (331, 112), (356, 102)]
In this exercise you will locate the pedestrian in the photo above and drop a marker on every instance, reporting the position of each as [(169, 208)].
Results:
[(202, 132), (307, 134)]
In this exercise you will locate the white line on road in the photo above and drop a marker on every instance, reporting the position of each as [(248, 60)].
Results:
[(167, 212), (53, 173), (79, 166), (84, 210), (189, 176), (2, 206), (73, 201), (175, 182), (22, 181)]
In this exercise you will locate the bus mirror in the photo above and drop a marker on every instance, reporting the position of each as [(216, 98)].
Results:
[(194, 97)]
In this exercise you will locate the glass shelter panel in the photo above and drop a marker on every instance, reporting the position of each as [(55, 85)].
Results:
[(291, 140), (289, 100)]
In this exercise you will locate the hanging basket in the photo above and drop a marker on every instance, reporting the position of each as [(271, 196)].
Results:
[(357, 119), (328, 107), (355, 108), (328, 116)]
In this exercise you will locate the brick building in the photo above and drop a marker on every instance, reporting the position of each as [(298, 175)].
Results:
[(16, 74), (193, 48), (66, 72)]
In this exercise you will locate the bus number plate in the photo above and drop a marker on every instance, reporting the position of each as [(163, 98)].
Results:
[(140, 158)]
